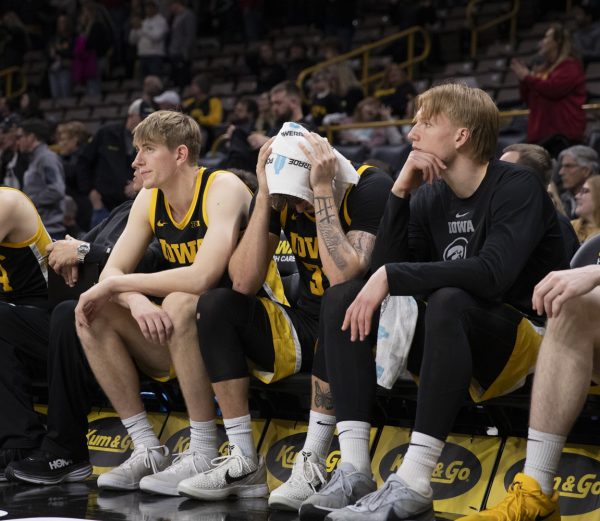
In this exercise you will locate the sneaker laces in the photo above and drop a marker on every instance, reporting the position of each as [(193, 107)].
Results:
[(516, 496), (179, 459), (221, 461), (375, 499), (309, 472), (148, 461), (341, 476)]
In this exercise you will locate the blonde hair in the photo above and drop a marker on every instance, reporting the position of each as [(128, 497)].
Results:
[(466, 107), (172, 129), (594, 183), (72, 129)]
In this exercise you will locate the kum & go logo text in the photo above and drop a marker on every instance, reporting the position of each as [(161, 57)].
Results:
[(282, 454), (578, 483), (457, 472), (108, 442)]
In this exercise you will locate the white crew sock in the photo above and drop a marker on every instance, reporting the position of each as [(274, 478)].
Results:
[(140, 430), (543, 455), (419, 461), (239, 432), (321, 428), (203, 438), (354, 444)]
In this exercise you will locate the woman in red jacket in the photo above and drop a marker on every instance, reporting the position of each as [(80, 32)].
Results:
[(554, 92)]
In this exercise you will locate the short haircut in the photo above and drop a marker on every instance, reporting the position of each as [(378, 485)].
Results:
[(38, 127), (467, 107), (289, 87), (74, 129), (172, 129), (584, 156), (535, 157)]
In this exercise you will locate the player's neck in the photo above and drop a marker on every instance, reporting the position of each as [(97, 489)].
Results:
[(180, 191), (464, 176)]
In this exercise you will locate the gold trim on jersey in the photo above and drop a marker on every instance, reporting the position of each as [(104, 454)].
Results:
[(347, 217), (152, 209), (190, 211), (288, 353)]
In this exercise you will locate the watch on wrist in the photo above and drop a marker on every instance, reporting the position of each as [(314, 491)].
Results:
[(82, 250)]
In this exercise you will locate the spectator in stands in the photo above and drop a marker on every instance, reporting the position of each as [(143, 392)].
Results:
[(323, 100), (586, 35), (152, 86), (206, 110), (265, 119), (554, 91), (14, 42), (478, 288), (367, 111), (286, 105), (243, 121), (396, 91), (12, 163), (71, 138), (168, 100), (24, 322), (105, 162), (182, 42), (587, 209), (72, 228), (116, 339), (345, 84), (268, 72), (71, 382), (331, 238), (150, 35), (577, 163), (538, 159), (566, 365), (44, 179), (92, 43), (60, 51), (297, 60), (29, 106)]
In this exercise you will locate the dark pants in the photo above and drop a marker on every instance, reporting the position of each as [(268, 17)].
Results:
[(71, 384), (457, 337), (23, 351)]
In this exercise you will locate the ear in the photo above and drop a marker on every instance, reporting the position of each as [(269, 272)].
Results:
[(461, 136), (181, 154)]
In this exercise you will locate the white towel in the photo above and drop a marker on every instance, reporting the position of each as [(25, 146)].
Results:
[(288, 169), (397, 323)]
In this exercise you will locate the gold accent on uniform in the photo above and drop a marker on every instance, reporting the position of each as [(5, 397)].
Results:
[(186, 219)]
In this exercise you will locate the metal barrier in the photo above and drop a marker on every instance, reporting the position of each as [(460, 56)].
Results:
[(475, 30), (7, 77)]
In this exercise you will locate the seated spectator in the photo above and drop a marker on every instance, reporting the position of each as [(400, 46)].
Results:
[(152, 86), (150, 36), (323, 100), (24, 322), (29, 106), (587, 209), (586, 34), (554, 91), (243, 121), (265, 119), (396, 91), (367, 111), (44, 179), (265, 67), (71, 138), (297, 60), (12, 163), (566, 365), (168, 100), (345, 85), (538, 159), (576, 164), (60, 50), (206, 110)]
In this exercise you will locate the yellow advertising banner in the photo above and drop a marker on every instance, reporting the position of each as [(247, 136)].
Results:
[(108, 443), (283, 441), (578, 480), (461, 477), (176, 433)]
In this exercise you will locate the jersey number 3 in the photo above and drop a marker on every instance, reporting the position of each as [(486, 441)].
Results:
[(4, 277), (316, 280)]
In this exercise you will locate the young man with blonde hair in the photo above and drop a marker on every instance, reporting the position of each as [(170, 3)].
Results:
[(469, 237), (196, 215)]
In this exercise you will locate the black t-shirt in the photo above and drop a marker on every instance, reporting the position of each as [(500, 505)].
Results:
[(397, 97), (320, 107), (497, 244), (361, 210)]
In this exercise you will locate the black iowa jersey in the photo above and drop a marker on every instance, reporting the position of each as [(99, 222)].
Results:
[(361, 209), (24, 269), (179, 241)]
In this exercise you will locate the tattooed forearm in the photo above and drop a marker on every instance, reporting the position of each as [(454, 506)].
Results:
[(323, 399), (363, 244), (328, 224), (325, 209)]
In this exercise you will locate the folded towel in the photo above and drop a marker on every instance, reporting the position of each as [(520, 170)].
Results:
[(288, 168), (397, 323)]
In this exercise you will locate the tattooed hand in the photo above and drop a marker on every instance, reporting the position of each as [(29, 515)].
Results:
[(323, 161)]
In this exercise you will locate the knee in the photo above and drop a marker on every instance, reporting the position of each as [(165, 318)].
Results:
[(181, 308), (447, 305), (214, 305), (338, 298), (64, 313), (576, 320)]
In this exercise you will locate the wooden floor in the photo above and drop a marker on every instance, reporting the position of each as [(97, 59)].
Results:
[(85, 501)]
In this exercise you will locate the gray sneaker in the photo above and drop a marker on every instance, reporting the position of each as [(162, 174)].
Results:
[(394, 501), (346, 487)]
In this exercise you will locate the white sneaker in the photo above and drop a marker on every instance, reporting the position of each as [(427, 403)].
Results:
[(308, 476), (233, 475), (185, 465), (142, 462)]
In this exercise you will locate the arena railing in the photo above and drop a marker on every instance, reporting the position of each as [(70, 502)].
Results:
[(476, 29), (364, 52), (7, 81)]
